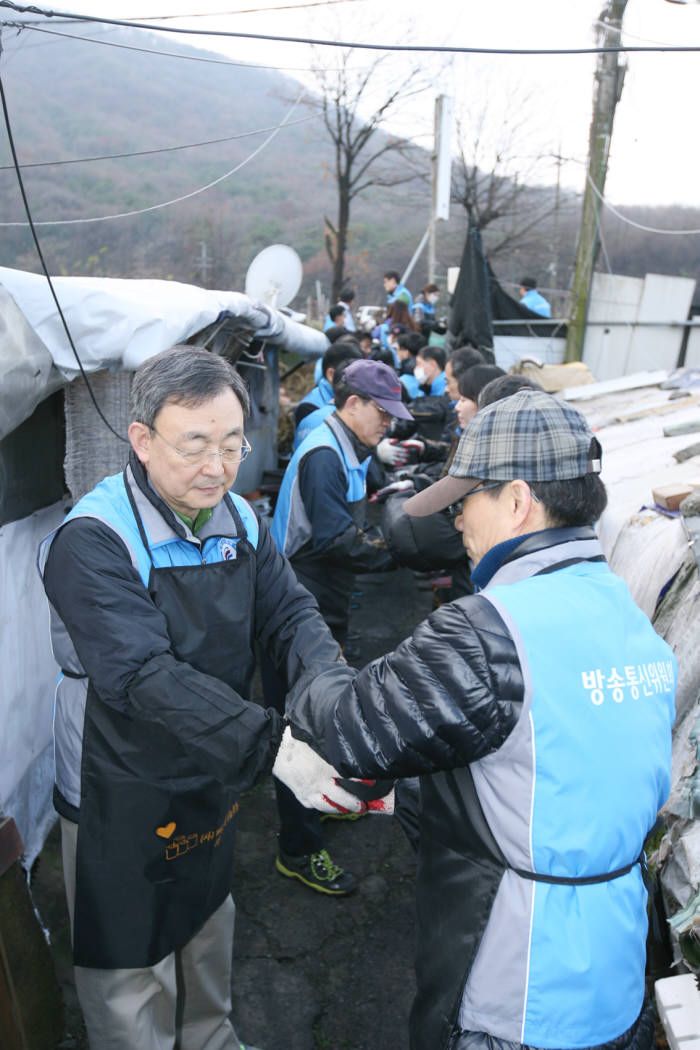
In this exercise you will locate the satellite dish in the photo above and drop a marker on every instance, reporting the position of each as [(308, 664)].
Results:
[(274, 276)]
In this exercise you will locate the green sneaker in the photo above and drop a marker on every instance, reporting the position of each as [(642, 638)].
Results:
[(343, 816), (317, 871)]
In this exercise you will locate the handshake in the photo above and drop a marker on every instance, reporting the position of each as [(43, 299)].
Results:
[(317, 785)]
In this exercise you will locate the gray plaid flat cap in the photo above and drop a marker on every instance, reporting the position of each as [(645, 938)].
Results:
[(529, 435)]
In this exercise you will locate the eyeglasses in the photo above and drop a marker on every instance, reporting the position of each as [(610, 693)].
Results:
[(386, 417), (483, 488), (455, 509), (201, 455)]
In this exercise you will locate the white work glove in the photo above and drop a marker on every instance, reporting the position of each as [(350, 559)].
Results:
[(402, 485), (387, 451), (409, 451), (315, 782), (311, 778)]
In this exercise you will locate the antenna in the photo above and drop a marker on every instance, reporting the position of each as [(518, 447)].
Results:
[(274, 276)]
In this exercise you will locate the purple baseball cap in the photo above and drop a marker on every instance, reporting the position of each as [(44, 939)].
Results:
[(376, 380)]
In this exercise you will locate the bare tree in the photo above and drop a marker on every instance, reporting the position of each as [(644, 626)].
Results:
[(364, 153), (496, 167)]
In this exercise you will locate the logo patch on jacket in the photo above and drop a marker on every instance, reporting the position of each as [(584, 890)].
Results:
[(228, 549)]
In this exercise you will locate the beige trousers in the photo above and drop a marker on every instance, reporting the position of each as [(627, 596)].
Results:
[(181, 1003)]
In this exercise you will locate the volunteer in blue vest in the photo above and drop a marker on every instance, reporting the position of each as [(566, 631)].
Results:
[(161, 582), (531, 298), (337, 315), (395, 290), (319, 523), (429, 371), (339, 355), (424, 308), (322, 393), (345, 300), (538, 713)]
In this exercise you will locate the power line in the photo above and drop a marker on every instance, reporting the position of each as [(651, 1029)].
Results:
[(250, 10), (162, 149), (154, 51), (631, 222), (176, 200), (175, 54), (422, 48), (219, 14), (35, 236)]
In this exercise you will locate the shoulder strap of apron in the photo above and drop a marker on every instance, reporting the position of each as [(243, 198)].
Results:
[(137, 516)]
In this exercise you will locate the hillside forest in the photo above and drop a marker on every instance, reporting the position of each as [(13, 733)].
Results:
[(107, 126)]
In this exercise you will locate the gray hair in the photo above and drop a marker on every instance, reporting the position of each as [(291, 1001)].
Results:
[(182, 375)]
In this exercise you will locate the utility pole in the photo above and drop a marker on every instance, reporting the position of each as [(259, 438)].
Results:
[(203, 263), (609, 77), (554, 265), (442, 173)]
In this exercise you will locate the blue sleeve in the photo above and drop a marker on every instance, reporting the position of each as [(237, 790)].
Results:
[(323, 488)]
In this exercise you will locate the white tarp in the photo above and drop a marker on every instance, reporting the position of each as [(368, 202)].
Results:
[(118, 324), (28, 676), (650, 550), (27, 372)]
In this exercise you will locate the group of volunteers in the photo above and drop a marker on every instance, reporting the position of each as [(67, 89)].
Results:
[(534, 707)]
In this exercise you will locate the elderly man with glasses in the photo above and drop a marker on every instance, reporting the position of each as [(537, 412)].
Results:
[(161, 581), (538, 714)]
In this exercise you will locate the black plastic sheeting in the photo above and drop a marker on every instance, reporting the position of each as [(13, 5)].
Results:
[(505, 308), (31, 462), (470, 321), (479, 300)]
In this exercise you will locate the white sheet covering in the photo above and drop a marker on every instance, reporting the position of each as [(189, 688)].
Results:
[(119, 323), (28, 676)]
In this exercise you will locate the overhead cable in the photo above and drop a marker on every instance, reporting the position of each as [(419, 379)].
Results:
[(250, 10), (223, 14), (175, 200), (356, 45), (162, 149), (631, 222), (163, 54), (44, 267)]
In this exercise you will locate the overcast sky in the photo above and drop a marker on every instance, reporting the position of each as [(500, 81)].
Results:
[(656, 143)]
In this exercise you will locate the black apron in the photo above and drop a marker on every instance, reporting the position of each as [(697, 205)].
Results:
[(156, 831)]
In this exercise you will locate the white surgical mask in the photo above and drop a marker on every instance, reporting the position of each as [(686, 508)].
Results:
[(420, 375), (433, 298)]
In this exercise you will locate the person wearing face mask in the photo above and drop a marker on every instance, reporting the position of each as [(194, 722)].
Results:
[(430, 371), (424, 308)]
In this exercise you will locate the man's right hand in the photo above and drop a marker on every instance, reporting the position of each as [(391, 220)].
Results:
[(313, 780)]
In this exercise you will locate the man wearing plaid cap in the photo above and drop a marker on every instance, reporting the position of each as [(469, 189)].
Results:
[(538, 714)]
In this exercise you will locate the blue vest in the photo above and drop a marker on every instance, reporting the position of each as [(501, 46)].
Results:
[(310, 422), (108, 501), (560, 948), (401, 292), (536, 302), (424, 312), (319, 395), (291, 527), (412, 385), (438, 385)]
